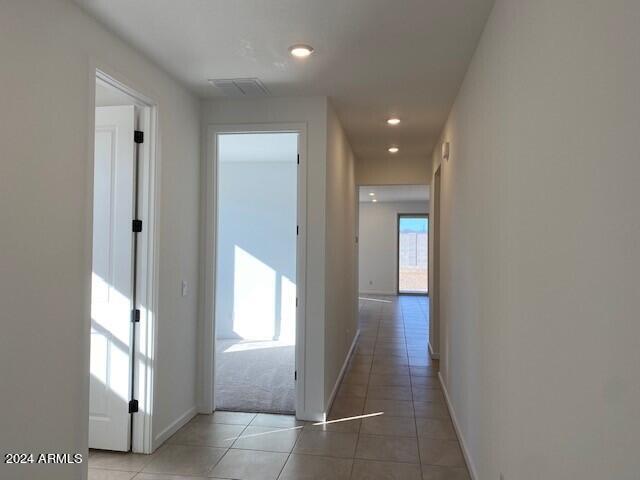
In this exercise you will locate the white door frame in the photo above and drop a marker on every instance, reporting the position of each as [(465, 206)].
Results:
[(147, 253), (434, 263), (207, 401)]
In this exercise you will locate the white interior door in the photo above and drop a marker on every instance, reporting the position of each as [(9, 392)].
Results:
[(112, 279)]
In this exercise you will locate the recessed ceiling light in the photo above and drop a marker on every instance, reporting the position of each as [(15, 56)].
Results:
[(394, 149), (371, 194), (393, 121), (300, 51), (374, 200)]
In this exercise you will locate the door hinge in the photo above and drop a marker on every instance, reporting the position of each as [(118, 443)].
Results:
[(297, 229), (133, 406), (296, 301), (295, 375), (298, 159), (136, 226), (138, 136), (135, 315)]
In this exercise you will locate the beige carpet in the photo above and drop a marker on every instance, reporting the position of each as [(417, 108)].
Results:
[(255, 376)]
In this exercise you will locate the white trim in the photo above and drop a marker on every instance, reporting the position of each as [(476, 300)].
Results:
[(148, 251), (207, 297), (378, 292), (465, 451), (148, 282), (336, 386), (206, 375), (434, 258), (88, 249), (301, 273), (176, 425), (434, 355)]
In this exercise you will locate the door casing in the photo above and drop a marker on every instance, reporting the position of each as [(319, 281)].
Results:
[(210, 220), (147, 252), (434, 305)]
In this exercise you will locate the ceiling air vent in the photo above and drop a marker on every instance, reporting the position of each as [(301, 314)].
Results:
[(240, 87)]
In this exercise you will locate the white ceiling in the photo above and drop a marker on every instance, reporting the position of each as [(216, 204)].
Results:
[(395, 193), (374, 58)]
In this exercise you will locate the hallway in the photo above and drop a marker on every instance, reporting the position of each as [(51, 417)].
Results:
[(402, 429), (140, 227)]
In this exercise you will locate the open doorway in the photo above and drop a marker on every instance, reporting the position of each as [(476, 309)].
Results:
[(383, 251), (413, 256), (121, 283), (256, 271)]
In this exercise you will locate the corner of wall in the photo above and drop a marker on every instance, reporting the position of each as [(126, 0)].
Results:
[(342, 372), (340, 254)]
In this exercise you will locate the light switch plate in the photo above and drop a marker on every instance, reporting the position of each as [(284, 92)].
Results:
[(445, 151)]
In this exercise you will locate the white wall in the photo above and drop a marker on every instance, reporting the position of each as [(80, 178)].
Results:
[(47, 48), (395, 170), (313, 113), (340, 253), (378, 244), (257, 243), (331, 202), (540, 232)]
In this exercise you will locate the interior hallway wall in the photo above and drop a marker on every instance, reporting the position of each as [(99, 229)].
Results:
[(395, 170), (313, 113), (540, 232), (47, 48), (378, 244), (331, 301), (340, 253)]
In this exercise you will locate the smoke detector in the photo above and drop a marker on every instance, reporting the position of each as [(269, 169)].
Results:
[(240, 87)]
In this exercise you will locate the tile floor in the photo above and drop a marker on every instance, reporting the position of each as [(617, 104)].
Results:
[(403, 432)]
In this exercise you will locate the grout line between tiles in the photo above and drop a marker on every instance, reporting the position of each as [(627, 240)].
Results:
[(399, 317)]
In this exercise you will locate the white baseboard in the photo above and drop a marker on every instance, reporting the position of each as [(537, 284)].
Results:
[(435, 356), (310, 416), (465, 451), (341, 374), (176, 425), (377, 292), (201, 409)]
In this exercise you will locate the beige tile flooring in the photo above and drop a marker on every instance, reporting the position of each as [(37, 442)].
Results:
[(402, 431)]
